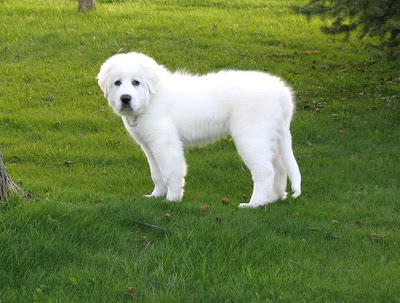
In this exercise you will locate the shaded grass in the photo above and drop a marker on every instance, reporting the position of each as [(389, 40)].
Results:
[(78, 241)]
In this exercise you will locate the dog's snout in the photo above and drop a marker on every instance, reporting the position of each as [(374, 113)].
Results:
[(126, 99)]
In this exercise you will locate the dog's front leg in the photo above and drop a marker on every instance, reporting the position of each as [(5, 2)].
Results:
[(170, 158), (160, 189)]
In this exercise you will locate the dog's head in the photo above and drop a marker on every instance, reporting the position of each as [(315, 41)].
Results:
[(128, 82)]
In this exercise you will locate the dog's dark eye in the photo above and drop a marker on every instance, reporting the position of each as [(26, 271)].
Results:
[(117, 83), (135, 82)]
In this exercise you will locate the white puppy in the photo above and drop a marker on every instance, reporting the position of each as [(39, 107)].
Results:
[(164, 112)]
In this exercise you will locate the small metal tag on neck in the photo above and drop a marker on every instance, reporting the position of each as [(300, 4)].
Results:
[(131, 122)]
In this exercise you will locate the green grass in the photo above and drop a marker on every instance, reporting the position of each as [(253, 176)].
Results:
[(79, 239)]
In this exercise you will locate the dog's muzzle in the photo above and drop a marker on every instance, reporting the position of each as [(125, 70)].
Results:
[(126, 102), (126, 99)]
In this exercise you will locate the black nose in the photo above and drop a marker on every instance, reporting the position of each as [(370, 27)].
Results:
[(126, 99)]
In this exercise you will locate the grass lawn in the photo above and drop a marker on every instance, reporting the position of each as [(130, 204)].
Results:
[(82, 237)]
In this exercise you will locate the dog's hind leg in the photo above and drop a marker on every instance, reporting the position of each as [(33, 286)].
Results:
[(280, 178), (257, 153)]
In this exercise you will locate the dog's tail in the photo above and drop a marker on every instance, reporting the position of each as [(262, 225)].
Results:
[(285, 145)]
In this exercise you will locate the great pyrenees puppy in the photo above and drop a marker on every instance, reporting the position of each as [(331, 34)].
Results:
[(165, 112)]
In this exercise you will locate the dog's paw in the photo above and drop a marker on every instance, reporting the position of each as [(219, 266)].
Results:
[(174, 197), (284, 196), (296, 194), (248, 205), (150, 196)]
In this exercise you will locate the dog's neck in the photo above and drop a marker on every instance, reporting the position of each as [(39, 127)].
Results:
[(131, 121)]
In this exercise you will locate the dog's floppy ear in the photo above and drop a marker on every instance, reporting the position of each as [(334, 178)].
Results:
[(152, 74), (150, 88), (102, 77), (103, 85)]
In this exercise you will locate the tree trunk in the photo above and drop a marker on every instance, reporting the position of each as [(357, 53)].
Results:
[(84, 5), (6, 184)]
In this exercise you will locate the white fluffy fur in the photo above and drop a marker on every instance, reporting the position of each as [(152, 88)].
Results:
[(169, 111)]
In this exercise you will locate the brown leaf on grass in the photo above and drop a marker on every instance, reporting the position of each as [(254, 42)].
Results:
[(335, 222), (67, 163), (297, 214), (378, 237), (205, 207), (98, 201), (225, 201), (167, 216), (358, 223), (342, 131)]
